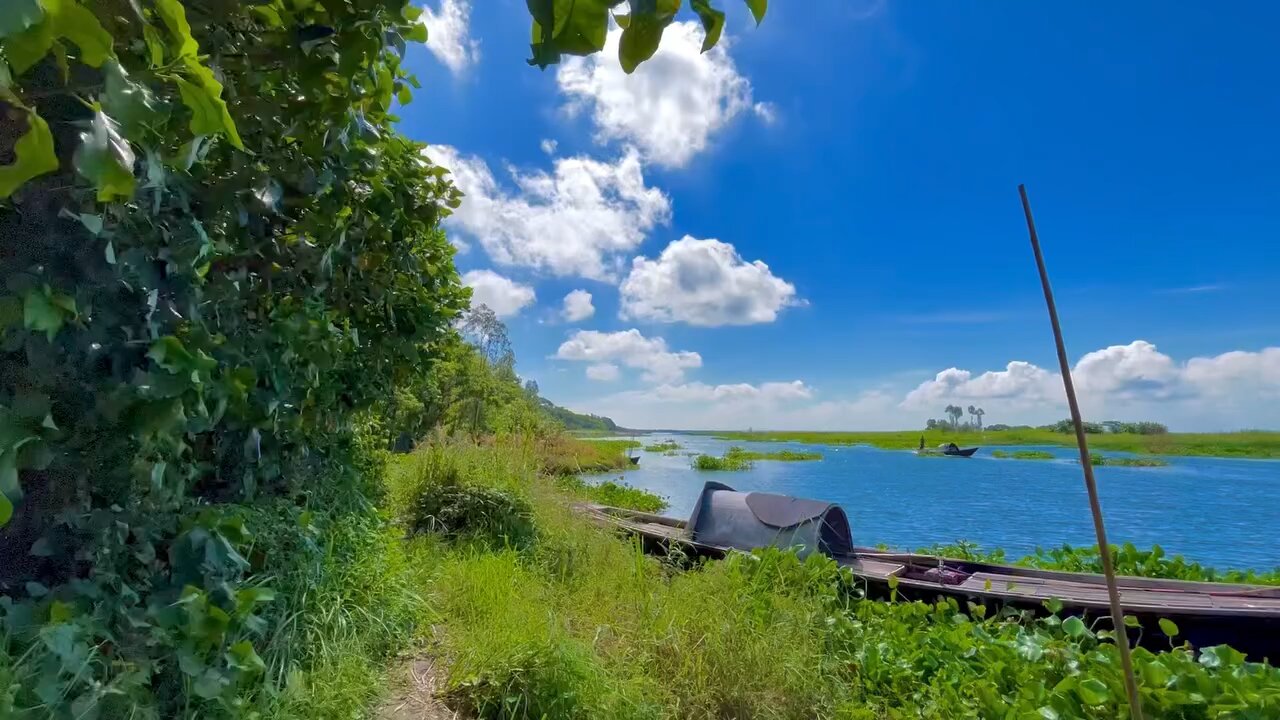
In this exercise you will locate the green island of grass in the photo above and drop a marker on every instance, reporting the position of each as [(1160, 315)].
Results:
[(1023, 454), (1251, 444), (784, 455), (664, 447), (1127, 461), (728, 462)]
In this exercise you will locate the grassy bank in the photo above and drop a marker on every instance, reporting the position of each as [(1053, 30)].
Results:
[(1238, 445), (566, 620), (725, 463)]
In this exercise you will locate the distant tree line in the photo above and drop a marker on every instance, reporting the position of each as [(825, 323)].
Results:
[(954, 414)]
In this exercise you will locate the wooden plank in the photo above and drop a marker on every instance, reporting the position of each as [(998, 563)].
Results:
[(875, 569)]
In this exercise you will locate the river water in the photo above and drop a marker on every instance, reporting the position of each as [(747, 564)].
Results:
[(1224, 513)]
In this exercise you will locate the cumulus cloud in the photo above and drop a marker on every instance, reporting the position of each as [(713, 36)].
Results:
[(1133, 381), (604, 372), (706, 283), (1234, 390), (449, 34), (671, 105), (576, 220), (504, 296), (577, 306), (629, 348), (549, 146)]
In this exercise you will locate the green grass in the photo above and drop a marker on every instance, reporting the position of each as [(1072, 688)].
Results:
[(564, 455), (1126, 461), (1023, 454), (784, 455), (665, 446), (728, 462), (582, 624), (1251, 444)]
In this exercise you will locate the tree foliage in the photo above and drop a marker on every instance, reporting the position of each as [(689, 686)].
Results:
[(579, 28), (222, 281)]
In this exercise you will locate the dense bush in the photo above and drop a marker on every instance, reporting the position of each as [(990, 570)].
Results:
[(493, 517), (728, 462)]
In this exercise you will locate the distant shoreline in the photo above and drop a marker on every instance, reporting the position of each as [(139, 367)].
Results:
[(1250, 444)]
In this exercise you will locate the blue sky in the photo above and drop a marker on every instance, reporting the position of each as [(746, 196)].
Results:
[(817, 224)]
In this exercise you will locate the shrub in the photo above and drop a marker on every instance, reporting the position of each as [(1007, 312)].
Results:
[(492, 517)]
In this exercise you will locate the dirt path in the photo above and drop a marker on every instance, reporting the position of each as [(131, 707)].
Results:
[(414, 695)]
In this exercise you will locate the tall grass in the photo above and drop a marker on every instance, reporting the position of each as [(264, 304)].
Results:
[(783, 455), (726, 463), (1023, 454)]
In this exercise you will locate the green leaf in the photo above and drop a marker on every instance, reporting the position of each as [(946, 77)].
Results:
[(60, 612), (1168, 627), (758, 8), (26, 48), (209, 113), (6, 509), (1074, 627), (105, 159), (242, 657), (77, 24), (417, 33), (33, 156), (1131, 621), (130, 103), (42, 313), (712, 23), (175, 18), (18, 15), (155, 45), (1093, 691), (9, 487), (641, 38)]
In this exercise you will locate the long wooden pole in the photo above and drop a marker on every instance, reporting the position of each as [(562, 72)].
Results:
[(1086, 462)]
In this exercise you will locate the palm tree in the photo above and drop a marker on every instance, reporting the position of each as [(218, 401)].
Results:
[(978, 413)]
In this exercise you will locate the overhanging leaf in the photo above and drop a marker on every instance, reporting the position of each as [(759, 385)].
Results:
[(758, 8), (41, 313), (26, 48), (105, 158), (175, 18), (643, 34), (712, 23), (33, 156)]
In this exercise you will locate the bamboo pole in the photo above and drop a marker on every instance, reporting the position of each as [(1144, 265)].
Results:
[(1095, 508)]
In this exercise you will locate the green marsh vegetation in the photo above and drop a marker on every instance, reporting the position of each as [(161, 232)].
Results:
[(1023, 454), (1127, 559), (726, 463), (1247, 444), (1114, 461), (782, 455), (665, 447)]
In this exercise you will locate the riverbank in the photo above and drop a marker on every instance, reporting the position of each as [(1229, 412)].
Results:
[(522, 609), (1261, 445)]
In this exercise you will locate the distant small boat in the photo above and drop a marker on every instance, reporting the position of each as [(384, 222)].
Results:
[(635, 459), (948, 449)]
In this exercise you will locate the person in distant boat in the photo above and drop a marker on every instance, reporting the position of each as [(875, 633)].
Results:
[(952, 447)]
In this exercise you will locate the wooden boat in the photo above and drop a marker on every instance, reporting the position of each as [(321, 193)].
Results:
[(635, 459), (1246, 617), (948, 449)]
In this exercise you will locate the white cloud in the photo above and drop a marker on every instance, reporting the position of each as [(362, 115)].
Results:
[(766, 111), (449, 34), (1231, 391), (631, 349), (549, 146), (1131, 382), (704, 282), (504, 296), (576, 220), (604, 372), (577, 306), (671, 105)]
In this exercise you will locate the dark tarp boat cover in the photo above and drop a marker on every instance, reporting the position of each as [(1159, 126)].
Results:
[(725, 517)]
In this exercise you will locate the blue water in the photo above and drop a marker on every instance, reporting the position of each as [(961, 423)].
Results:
[(1222, 513)]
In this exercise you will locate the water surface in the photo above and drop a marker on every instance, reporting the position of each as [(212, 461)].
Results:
[(1220, 512)]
